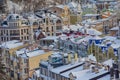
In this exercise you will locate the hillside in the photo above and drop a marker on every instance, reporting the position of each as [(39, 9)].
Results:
[(30, 5)]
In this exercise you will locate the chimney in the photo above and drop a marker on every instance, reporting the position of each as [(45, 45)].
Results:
[(76, 57), (69, 57)]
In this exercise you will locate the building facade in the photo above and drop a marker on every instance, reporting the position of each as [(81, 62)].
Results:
[(15, 27), (21, 59)]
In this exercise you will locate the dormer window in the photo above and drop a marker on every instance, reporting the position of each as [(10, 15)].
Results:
[(4, 23), (10, 17), (17, 17), (58, 21), (35, 23)]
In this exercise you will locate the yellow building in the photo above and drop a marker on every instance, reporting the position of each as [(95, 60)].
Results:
[(29, 59), (66, 16), (35, 60), (21, 59)]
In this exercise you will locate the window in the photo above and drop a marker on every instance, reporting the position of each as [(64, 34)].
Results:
[(25, 60), (21, 31), (12, 73), (7, 32), (58, 21), (24, 37), (52, 28), (27, 31), (48, 34), (52, 34), (1, 32), (27, 38), (58, 27), (70, 47), (53, 75), (26, 70), (34, 76), (1, 38), (47, 29), (24, 30), (11, 62)]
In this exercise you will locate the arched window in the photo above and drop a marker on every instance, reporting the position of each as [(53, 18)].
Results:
[(58, 21), (47, 29), (35, 23), (52, 28), (17, 17)]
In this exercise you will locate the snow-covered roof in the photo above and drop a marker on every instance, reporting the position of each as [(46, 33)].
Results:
[(13, 16), (60, 6), (115, 43), (20, 52), (115, 46), (72, 5), (24, 53), (50, 38), (91, 15), (72, 27), (111, 38), (37, 33), (108, 62), (87, 74), (37, 72), (56, 54), (92, 31), (33, 16), (66, 74), (12, 44), (96, 37), (35, 53), (50, 15), (91, 57), (65, 67), (115, 28), (88, 21)]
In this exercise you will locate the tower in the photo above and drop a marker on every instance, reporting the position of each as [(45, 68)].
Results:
[(79, 13), (66, 16)]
